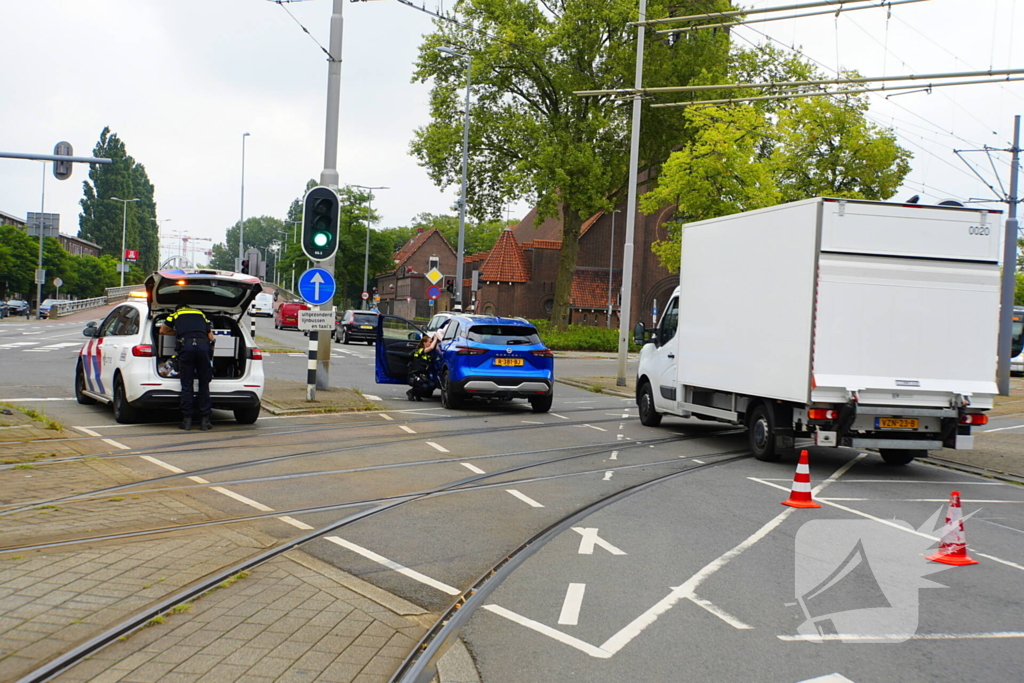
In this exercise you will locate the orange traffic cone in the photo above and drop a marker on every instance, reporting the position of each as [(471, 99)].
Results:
[(953, 548), (800, 495)]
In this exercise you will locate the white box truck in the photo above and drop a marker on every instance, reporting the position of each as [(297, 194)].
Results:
[(853, 323)]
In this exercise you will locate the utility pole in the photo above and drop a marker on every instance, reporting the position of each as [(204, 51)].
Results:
[(611, 265), (366, 261), (39, 270), (1009, 270), (465, 171), (625, 309), (329, 176), (241, 212)]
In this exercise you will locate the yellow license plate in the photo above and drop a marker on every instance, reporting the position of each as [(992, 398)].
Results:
[(366, 327), (896, 423), (508, 361)]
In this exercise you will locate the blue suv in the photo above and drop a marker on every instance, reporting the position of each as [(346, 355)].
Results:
[(477, 356)]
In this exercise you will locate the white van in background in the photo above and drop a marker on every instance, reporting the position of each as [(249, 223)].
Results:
[(263, 304)]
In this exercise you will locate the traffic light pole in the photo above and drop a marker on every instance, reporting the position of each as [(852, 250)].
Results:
[(329, 177)]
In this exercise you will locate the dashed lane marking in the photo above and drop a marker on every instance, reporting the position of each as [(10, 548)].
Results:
[(472, 468), (161, 463), (87, 431), (408, 429), (570, 615), (32, 400), (526, 499), (600, 429), (295, 523), (615, 455), (532, 422), (1002, 429), (607, 476), (390, 564), (386, 416), (699, 462), (438, 447), (116, 444), (242, 499), (557, 415)]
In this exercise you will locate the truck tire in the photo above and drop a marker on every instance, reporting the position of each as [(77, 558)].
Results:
[(649, 417), (761, 433), (898, 457)]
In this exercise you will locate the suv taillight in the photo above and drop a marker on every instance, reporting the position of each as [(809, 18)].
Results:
[(142, 350), (255, 354), (468, 351), (543, 353)]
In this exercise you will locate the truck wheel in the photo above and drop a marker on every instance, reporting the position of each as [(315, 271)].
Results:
[(80, 386), (649, 417), (896, 458), (761, 433)]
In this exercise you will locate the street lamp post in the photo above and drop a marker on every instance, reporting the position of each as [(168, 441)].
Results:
[(611, 264), (465, 167), (124, 230), (241, 213), (366, 260)]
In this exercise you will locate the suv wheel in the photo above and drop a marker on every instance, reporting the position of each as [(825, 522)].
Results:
[(124, 412), (542, 404), (448, 399), (80, 386), (344, 336)]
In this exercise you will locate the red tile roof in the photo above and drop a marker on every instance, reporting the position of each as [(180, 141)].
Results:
[(403, 254), (590, 289), (506, 262), (547, 244)]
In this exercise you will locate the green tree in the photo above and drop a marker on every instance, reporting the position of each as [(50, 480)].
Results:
[(102, 219), (261, 232), (18, 259), (480, 235), (746, 157), (530, 135)]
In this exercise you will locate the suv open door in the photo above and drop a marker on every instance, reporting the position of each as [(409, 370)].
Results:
[(397, 338)]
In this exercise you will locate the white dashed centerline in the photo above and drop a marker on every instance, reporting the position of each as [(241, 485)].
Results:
[(390, 564), (408, 429), (438, 447), (526, 499), (472, 468)]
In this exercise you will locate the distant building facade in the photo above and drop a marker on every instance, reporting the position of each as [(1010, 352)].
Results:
[(76, 246)]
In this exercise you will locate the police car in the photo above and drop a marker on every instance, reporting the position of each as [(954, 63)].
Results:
[(128, 364)]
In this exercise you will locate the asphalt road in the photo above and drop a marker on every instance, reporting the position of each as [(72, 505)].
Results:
[(702, 577)]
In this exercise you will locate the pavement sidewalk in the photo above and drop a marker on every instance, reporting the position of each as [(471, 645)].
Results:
[(283, 397)]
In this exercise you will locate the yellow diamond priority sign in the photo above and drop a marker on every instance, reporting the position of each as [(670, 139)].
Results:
[(434, 276)]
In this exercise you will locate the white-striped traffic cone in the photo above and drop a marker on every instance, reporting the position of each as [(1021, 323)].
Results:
[(800, 495), (953, 548)]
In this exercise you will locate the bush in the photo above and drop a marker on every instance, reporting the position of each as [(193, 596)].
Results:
[(580, 337)]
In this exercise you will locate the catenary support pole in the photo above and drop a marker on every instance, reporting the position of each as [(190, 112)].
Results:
[(625, 309), (611, 265), (42, 222), (241, 211), (462, 196), (1009, 270), (329, 175)]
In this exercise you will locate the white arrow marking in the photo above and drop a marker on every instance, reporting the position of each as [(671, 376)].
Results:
[(590, 539), (317, 280), (607, 476), (570, 615)]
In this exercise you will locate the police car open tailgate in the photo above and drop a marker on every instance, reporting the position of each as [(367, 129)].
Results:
[(211, 291)]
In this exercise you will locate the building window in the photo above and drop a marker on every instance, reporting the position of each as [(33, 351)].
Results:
[(435, 262), (584, 318), (549, 306)]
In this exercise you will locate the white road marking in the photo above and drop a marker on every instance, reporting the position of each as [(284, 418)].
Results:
[(117, 444), (893, 524), (297, 355), (438, 447), (831, 678), (546, 630), (557, 415), (526, 499), (295, 523), (918, 500), (590, 539), (386, 416), (688, 587), (625, 415), (600, 429), (372, 397), (32, 400), (87, 431), (390, 564), (161, 463), (408, 429), (62, 345), (620, 437), (531, 422), (621, 426), (719, 612), (917, 636), (615, 455), (472, 468), (607, 476), (699, 462), (242, 499), (570, 614), (199, 480), (1002, 429)]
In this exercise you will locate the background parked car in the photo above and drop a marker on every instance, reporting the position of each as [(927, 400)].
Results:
[(356, 326), (286, 316), (44, 309), (16, 307)]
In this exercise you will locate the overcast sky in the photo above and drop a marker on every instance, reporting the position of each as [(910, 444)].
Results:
[(180, 82)]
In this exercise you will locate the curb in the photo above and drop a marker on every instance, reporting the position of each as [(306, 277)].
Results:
[(942, 463), (590, 387)]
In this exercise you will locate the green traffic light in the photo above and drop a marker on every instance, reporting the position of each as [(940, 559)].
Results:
[(321, 239)]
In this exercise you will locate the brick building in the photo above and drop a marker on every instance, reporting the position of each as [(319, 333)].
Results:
[(403, 291)]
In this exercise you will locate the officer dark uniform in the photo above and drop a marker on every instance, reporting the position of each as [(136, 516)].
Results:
[(419, 369), (194, 345)]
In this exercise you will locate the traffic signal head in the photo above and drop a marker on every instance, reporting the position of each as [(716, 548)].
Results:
[(245, 267), (449, 284), (321, 212)]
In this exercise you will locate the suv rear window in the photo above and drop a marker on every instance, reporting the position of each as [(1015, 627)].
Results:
[(200, 292), (503, 334), (364, 319)]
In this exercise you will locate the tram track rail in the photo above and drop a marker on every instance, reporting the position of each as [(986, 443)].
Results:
[(68, 659)]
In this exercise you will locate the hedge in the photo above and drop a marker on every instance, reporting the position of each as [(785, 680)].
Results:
[(580, 337)]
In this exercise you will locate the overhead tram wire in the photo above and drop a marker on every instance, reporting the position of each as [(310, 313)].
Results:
[(761, 20)]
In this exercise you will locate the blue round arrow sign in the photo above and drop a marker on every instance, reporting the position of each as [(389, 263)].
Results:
[(316, 286)]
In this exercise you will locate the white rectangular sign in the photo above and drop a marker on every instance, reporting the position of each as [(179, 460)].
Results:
[(322, 321)]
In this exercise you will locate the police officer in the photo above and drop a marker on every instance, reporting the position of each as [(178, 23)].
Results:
[(194, 335)]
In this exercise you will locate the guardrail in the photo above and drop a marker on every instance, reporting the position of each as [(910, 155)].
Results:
[(69, 307), (117, 294)]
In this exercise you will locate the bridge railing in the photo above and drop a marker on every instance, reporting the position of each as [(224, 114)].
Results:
[(112, 295)]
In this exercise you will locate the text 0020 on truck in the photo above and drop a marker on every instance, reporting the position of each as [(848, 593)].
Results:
[(855, 323)]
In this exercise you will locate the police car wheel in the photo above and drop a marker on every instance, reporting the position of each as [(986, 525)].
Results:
[(247, 416), (124, 412), (80, 386)]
